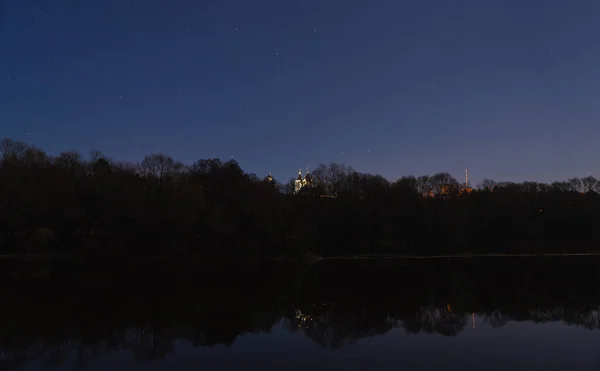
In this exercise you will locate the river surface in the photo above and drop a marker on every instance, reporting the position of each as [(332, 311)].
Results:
[(468, 314)]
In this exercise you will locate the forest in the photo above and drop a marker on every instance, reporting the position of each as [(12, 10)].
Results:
[(159, 207)]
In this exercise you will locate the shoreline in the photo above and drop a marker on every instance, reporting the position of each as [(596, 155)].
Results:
[(453, 256), (316, 258)]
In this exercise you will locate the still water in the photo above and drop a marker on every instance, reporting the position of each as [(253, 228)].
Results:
[(472, 314)]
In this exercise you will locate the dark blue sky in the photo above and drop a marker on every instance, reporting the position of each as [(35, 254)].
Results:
[(509, 89)]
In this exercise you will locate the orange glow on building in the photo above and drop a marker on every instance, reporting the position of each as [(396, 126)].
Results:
[(465, 190)]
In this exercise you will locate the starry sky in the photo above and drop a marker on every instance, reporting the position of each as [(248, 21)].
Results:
[(509, 89)]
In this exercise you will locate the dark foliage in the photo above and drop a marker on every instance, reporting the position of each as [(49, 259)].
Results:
[(160, 207)]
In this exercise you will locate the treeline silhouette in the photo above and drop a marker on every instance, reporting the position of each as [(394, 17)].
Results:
[(329, 303), (160, 207)]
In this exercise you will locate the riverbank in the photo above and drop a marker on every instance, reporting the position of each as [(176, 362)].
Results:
[(451, 256), (316, 258)]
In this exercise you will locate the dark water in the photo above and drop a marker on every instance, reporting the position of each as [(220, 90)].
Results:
[(472, 314)]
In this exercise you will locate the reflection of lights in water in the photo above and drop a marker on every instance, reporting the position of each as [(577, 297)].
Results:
[(449, 308), (473, 319), (302, 318)]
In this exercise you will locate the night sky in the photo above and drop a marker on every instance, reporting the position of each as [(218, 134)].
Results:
[(508, 89)]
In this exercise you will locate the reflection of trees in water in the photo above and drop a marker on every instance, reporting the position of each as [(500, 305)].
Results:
[(334, 329), (587, 317), (332, 325), (335, 324), (147, 343), (432, 319), (58, 327), (144, 342), (495, 318), (55, 354)]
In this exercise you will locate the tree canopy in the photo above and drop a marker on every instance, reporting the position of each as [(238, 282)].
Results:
[(161, 206)]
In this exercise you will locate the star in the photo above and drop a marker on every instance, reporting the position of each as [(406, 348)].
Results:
[(121, 97), (277, 53), (236, 28), (8, 78)]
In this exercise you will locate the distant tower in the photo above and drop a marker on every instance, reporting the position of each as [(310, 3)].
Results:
[(466, 178), (299, 182)]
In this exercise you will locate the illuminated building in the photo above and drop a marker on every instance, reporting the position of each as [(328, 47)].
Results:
[(301, 181)]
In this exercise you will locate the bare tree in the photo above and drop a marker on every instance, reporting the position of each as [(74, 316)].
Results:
[(68, 160), (562, 186), (332, 178), (443, 184), (319, 175), (160, 167), (11, 150), (576, 184), (96, 155), (35, 156), (124, 167), (206, 166), (533, 187), (488, 185), (407, 182), (374, 183), (289, 187), (423, 185), (589, 184)]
